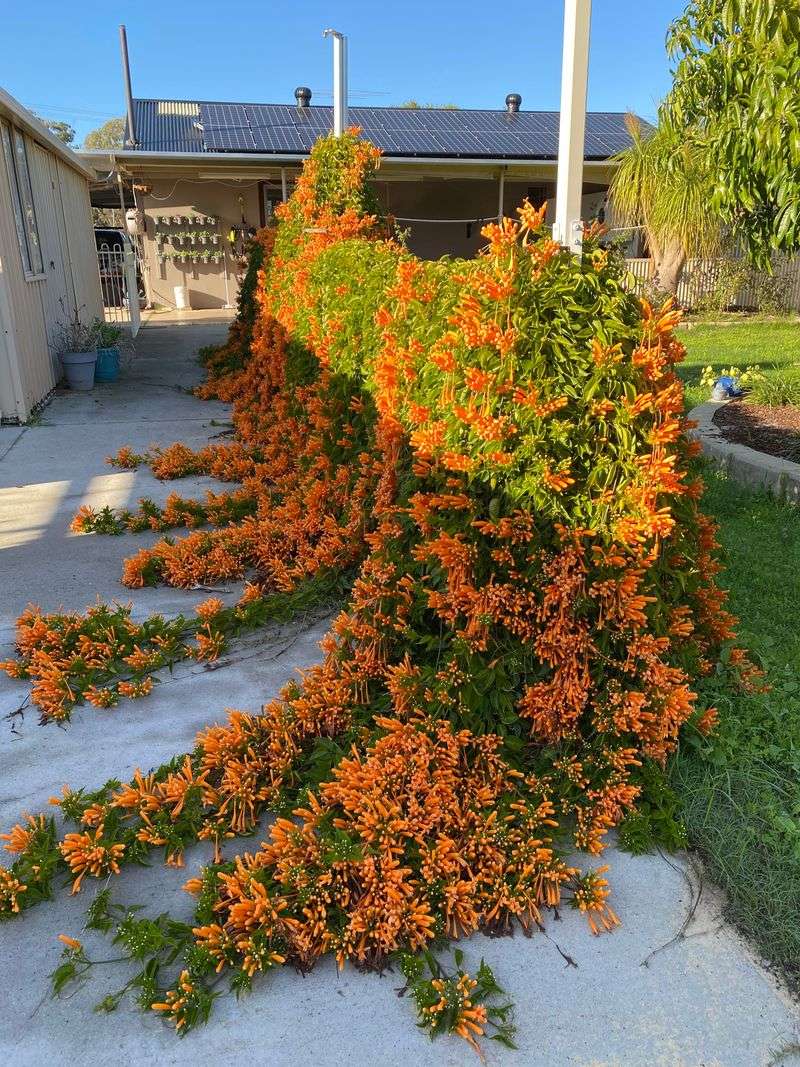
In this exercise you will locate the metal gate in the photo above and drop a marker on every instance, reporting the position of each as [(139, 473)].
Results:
[(119, 284)]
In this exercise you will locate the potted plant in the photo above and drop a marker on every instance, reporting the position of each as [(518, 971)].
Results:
[(211, 220), (177, 219), (76, 346), (216, 257), (108, 336), (179, 238), (192, 236), (204, 255)]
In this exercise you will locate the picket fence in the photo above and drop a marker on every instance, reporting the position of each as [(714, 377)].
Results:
[(699, 276)]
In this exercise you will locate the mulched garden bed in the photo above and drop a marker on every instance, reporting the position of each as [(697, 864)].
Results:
[(774, 430)]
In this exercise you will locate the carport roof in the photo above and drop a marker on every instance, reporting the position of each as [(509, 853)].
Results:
[(214, 128)]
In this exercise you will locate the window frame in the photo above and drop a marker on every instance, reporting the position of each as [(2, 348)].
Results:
[(15, 152)]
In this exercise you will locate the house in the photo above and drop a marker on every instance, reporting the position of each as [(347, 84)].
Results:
[(203, 174), (48, 261)]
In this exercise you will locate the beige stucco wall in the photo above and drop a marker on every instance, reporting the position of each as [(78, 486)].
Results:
[(419, 196), (453, 198), (181, 196), (31, 308)]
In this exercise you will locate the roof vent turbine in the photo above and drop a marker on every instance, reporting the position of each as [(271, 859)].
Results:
[(513, 102), (302, 95)]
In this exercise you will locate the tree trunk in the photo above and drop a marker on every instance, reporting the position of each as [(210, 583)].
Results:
[(668, 269)]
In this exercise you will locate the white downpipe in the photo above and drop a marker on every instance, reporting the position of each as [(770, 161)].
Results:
[(568, 228), (284, 190), (339, 81), (500, 194)]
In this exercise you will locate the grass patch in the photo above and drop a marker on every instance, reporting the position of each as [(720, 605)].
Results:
[(740, 794), (773, 345)]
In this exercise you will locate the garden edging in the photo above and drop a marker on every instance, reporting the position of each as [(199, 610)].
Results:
[(745, 465)]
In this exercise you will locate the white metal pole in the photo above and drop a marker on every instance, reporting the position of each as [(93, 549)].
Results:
[(568, 228), (339, 81), (284, 197), (500, 196)]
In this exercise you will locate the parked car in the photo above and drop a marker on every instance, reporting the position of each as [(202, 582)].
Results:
[(111, 238)]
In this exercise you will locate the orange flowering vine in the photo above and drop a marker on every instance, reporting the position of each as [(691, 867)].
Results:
[(493, 454)]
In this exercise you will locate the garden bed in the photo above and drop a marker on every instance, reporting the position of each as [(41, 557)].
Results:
[(772, 430)]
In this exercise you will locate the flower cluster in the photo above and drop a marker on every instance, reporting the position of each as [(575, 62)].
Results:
[(495, 452), (102, 655)]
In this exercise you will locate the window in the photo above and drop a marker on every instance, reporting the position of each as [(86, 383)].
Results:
[(19, 180)]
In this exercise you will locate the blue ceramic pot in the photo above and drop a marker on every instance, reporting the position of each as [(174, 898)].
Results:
[(107, 367)]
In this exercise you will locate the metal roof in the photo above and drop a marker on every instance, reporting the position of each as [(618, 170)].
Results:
[(34, 126), (213, 127)]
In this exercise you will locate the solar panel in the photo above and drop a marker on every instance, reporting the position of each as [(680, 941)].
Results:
[(287, 128), (225, 128)]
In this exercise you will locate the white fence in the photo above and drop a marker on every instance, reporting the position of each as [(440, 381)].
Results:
[(699, 278), (119, 284)]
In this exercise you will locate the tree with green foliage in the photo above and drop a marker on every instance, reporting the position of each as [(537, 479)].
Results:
[(62, 130), (663, 183), (109, 135), (736, 94), (414, 105)]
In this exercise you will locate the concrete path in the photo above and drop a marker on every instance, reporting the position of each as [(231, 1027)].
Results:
[(701, 1001)]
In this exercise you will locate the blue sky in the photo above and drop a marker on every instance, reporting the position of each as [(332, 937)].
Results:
[(62, 59)]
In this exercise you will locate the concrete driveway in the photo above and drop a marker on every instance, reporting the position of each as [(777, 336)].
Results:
[(703, 1000)]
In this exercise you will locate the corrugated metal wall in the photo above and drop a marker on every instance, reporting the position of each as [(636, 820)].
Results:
[(27, 324), (80, 249), (54, 288), (63, 215)]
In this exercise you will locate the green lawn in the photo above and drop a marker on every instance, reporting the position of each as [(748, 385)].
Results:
[(775, 346), (740, 795)]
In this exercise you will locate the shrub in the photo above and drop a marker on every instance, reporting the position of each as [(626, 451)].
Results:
[(498, 446), (779, 389)]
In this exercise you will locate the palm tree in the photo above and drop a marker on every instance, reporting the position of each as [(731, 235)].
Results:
[(663, 184)]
